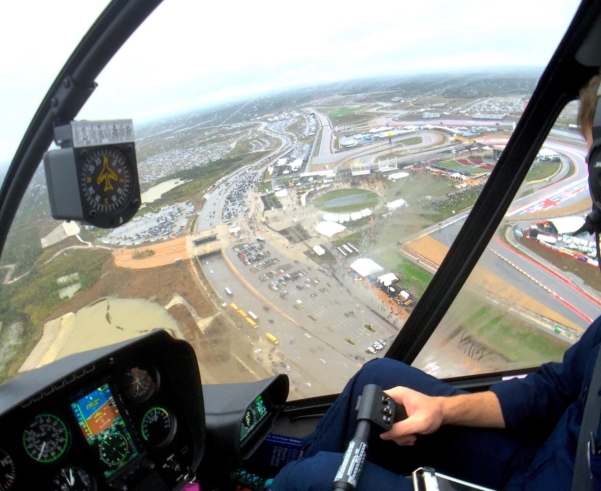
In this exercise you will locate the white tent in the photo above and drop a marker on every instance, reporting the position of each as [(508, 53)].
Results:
[(387, 279), (329, 229), (366, 267), (320, 251), (356, 216), (281, 193), (366, 212), (398, 175), (567, 225), (393, 205)]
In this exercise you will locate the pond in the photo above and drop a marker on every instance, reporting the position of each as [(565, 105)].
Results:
[(351, 199)]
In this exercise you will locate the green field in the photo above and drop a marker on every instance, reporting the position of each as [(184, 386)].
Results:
[(271, 201), (500, 332), (399, 153), (344, 111), (542, 171), (264, 187), (453, 164), (33, 298), (348, 115)]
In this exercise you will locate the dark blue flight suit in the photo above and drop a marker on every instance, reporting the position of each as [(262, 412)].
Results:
[(536, 451)]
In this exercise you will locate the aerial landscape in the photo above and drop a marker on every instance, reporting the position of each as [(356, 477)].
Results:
[(294, 231)]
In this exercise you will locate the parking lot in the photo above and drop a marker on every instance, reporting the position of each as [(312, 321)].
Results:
[(314, 300), (151, 227)]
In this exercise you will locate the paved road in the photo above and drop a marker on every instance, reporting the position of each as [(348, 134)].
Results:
[(325, 147), (567, 299), (574, 301), (327, 333), (216, 200)]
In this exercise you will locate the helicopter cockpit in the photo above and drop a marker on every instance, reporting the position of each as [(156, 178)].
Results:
[(210, 226)]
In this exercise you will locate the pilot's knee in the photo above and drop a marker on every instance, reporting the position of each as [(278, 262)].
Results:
[(385, 372), (313, 474), (317, 474)]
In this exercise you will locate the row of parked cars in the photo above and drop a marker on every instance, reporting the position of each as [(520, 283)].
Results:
[(280, 282), (376, 346), (234, 202)]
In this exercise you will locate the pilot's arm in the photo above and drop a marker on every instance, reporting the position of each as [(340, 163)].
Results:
[(535, 403), (427, 414)]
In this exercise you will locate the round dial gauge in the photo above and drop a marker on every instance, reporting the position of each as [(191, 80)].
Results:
[(140, 384), (249, 418), (8, 475), (158, 426), (46, 438), (73, 479), (114, 448), (106, 180)]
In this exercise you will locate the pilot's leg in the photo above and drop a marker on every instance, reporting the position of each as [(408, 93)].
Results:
[(317, 474), (337, 426), (487, 457)]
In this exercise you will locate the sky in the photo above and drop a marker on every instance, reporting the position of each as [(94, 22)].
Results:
[(190, 52)]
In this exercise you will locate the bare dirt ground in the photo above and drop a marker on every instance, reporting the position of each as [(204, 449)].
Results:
[(223, 351), (435, 251), (164, 253)]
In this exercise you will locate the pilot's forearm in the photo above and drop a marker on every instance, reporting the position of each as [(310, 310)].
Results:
[(481, 409), (426, 414)]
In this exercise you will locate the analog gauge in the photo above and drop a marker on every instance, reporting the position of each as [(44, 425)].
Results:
[(114, 448), (140, 385), (46, 438), (249, 419), (106, 180), (73, 479), (158, 426), (8, 475)]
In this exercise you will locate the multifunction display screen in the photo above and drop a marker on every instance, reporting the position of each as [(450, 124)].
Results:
[(104, 429), (252, 417)]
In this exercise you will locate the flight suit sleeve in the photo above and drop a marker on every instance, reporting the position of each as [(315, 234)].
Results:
[(538, 401)]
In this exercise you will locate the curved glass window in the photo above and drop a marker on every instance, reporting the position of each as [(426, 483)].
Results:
[(302, 174)]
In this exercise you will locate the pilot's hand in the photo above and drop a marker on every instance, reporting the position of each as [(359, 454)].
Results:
[(425, 416)]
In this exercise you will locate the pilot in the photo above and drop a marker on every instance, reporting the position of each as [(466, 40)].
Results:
[(521, 434)]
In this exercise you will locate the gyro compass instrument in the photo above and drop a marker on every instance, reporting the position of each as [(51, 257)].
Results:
[(93, 177)]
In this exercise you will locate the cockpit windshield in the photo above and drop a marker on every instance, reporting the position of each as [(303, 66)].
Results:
[(303, 173)]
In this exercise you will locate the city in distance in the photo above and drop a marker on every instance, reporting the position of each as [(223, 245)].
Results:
[(294, 232)]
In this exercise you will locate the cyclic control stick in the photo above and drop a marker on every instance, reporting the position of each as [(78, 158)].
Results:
[(374, 407)]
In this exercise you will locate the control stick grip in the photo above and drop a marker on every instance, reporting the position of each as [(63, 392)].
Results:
[(373, 408)]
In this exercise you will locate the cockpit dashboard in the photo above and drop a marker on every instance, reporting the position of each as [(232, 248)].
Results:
[(126, 417)]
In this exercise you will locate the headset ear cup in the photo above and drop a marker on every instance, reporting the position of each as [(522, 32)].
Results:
[(594, 173)]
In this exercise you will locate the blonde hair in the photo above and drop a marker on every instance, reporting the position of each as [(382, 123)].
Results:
[(588, 104)]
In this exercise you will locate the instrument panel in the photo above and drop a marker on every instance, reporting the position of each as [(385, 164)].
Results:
[(124, 419)]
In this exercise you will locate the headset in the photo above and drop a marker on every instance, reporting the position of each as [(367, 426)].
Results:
[(592, 223)]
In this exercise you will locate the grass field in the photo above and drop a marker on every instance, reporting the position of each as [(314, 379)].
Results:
[(344, 111), (412, 276), (284, 181), (453, 164), (348, 115), (355, 238), (265, 187), (369, 201), (399, 153), (515, 340), (271, 201), (317, 143), (542, 171)]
